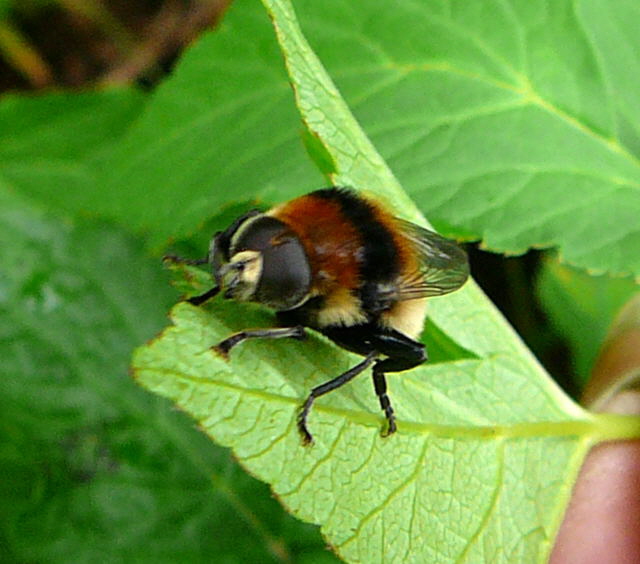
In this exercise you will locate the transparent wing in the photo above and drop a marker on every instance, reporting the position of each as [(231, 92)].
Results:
[(442, 265)]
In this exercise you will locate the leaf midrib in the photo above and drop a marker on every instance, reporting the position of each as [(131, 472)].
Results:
[(592, 426)]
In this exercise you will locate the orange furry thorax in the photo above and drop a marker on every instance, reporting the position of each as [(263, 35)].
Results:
[(332, 243)]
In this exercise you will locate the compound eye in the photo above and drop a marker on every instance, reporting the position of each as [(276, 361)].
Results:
[(286, 275)]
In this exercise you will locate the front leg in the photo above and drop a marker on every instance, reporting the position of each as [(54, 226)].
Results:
[(200, 299), (223, 347), (175, 259), (195, 300)]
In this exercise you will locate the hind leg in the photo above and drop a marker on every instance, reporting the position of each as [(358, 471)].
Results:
[(403, 353), (325, 388)]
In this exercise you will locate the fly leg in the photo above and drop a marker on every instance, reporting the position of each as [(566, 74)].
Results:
[(195, 300), (327, 387), (371, 341), (402, 354), (181, 260), (223, 347), (198, 300)]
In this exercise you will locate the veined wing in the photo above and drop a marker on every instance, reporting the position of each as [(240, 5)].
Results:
[(442, 265)]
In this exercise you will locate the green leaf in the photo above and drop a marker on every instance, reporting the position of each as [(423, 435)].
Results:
[(582, 307), (504, 121), (474, 435), (513, 121), (94, 469), (50, 145), (488, 447)]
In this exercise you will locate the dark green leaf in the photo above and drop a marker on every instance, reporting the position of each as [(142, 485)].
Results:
[(50, 145), (515, 120), (94, 469)]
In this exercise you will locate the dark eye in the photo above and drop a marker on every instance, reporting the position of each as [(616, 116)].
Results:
[(286, 275)]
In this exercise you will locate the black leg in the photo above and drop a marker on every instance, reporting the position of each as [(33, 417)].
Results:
[(198, 300), (225, 346), (403, 353), (327, 387), (195, 300), (380, 385)]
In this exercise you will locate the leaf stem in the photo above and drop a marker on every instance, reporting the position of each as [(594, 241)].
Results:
[(613, 427)]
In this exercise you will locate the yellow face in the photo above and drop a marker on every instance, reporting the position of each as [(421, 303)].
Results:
[(260, 259), (240, 276)]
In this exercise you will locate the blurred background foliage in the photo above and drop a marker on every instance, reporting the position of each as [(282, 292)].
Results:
[(84, 464), (66, 470)]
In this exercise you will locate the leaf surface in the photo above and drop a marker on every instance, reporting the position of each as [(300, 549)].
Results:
[(488, 447), (511, 121)]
